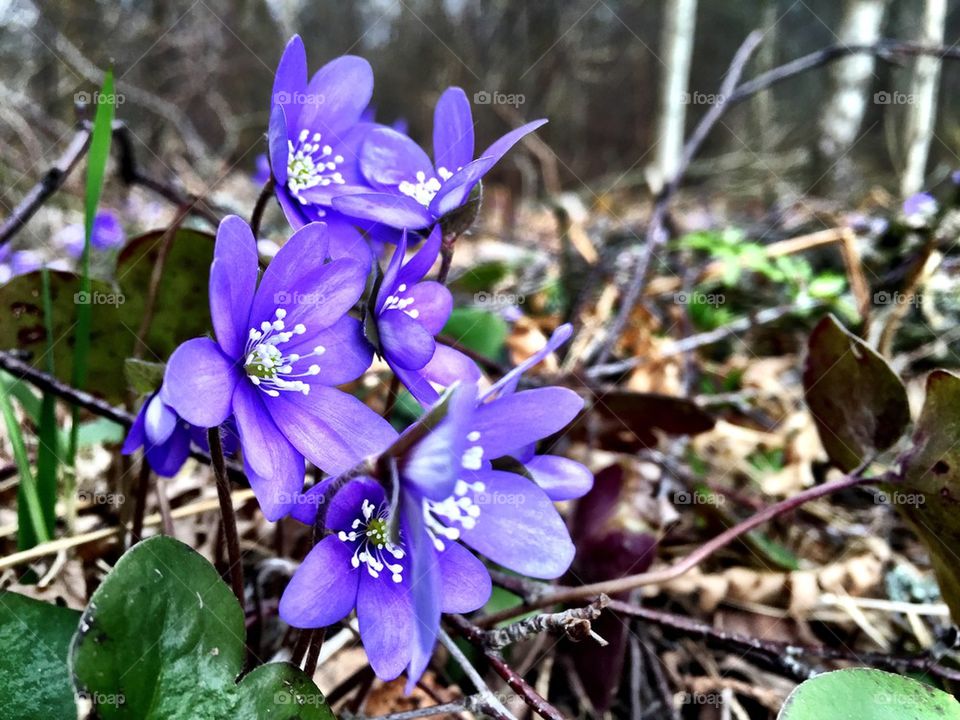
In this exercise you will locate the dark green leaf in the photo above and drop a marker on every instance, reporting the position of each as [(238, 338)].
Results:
[(163, 637), (857, 401), (34, 677), (142, 376)]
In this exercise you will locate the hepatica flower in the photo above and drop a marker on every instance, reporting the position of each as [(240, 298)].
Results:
[(450, 499), (407, 315), (315, 136), (281, 348), (107, 234), (166, 437), (411, 190)]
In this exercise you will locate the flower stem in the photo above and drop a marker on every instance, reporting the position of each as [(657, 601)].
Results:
[(446, 256), (265, 194), (226, 514)]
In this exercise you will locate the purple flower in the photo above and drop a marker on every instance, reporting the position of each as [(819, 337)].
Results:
[(107, 234), (413, 192), (516, 427), (280, 350), (261, 172), (407, 315), (450, 497), (315, 135), (166, 438), (920, 206), (14, 263)]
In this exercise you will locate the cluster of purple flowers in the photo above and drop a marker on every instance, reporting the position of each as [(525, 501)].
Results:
[(401, 544)]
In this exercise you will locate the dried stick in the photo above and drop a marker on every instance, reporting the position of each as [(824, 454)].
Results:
[(573, 623), (531, 697), (687, 563), (656, 235), (486, 695)]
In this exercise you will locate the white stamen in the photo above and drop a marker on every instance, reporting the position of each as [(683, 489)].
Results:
[(309, 165), (266, 365)]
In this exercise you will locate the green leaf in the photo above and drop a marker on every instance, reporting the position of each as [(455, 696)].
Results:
[(857, 401), (144, 377), (478, 330), (181, 310), (34, 677), (163, 637), (928, 491), (867, 694)]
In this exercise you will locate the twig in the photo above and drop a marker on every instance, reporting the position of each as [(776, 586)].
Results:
[(471, 703), (257, 216), (65, 543), (531, 697), (227, 515), (50, 182), (782, 654), (573, 623), (687, 563), (656, 234), (313, 651), (486, 695)]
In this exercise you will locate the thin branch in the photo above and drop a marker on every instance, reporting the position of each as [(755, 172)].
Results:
[(785, 655), (50, 182), (687, 563), (486, 695), (575, 624), (531, 697), (140, 508), (656, 235), (227, 515), (257, 216)]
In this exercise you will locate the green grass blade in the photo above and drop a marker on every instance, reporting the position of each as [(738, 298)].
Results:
[(48, 453), (32, 527), (96, 168)]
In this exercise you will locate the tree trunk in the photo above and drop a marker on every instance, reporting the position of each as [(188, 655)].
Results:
[(922, 100), (677, 44), (850, 83)]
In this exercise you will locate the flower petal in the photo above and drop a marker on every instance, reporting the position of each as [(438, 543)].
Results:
[(385, 615), (323, 590), (452, 130), (346, 356), (166, 459), (336, 97), (433, 303), (419, 265), (446, 367), (392, 209), (136, 435), (455, 191), (268, 453), (334, 430), (518, 527), (559, 477), (387, 158), (159, 421), (233, 281), (510, 422), (290, 80), (508, 383), (346, 241), (199, 381), (347, 504), (279, 148), (464, 581), (404, 340), (425, 588)]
